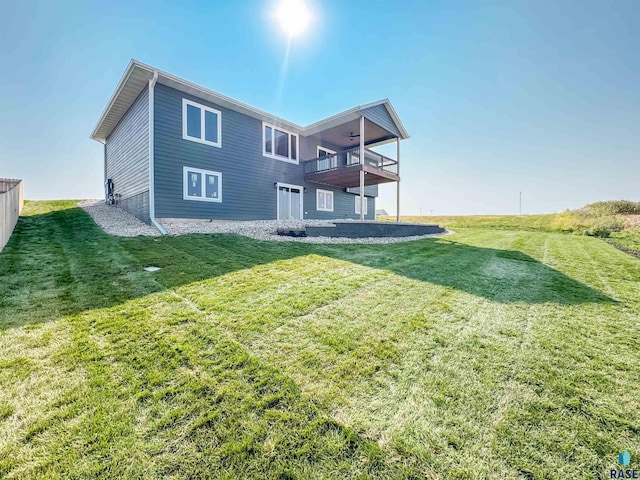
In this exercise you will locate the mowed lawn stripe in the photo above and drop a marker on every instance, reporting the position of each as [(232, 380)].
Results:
[(333, 351), (33, 250), (327, 373), (388, 367), (151, 390), (261, 298), (486, 354)]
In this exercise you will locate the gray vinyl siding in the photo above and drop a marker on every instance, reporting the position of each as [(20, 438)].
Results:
[(369, 190), (380, 116), (248, 177), (127, 158), (344, 206), (309, 148)]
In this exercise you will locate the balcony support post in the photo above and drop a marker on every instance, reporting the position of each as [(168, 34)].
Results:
[(361, 155), (398, 182)]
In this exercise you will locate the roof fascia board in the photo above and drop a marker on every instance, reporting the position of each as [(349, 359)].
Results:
[(130, 68), (396, 119), (352, 114), (197, 90)]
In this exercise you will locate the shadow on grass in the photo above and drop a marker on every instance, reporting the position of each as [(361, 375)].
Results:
[(504, 276), (61, 262)]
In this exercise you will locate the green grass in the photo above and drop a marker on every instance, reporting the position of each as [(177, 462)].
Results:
[(567, 222), (599, 219), (616, 220), (628, 239), (485, 354)]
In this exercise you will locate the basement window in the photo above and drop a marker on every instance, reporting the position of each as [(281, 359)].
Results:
[(324, 200), (201, 185), (201, 124)]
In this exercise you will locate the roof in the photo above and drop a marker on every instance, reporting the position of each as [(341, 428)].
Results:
[(138, 74)]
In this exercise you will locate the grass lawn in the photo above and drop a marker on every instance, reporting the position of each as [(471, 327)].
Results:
[(567, 222), (548, 222), (628, 240), (485, 354)]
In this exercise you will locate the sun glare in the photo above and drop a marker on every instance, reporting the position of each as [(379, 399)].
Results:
[(293, 16)]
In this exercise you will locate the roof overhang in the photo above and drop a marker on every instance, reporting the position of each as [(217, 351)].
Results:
[(134, 80), (353, 114), (137, 77)]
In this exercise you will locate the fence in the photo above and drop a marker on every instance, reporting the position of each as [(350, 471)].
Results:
[(11, 201)]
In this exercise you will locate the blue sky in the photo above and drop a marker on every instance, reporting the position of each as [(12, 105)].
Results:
[(499, 97)]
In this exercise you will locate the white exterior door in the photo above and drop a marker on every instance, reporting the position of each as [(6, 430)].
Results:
[(289, 202)]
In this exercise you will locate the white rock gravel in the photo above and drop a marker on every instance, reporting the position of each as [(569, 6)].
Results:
[(116, 221)]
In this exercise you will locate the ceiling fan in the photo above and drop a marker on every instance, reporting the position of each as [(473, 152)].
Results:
[(352, 136)]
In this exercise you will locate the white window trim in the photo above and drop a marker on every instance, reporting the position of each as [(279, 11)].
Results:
[(326, 192), (203, 108), (273, 145), (328, 150), (333, 161), (203, 198), (288, 185), (366, 205)]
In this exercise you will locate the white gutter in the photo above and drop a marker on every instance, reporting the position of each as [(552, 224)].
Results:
[(215, 97), (152, 196)]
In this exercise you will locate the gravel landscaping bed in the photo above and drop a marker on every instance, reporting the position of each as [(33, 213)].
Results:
[(116, 221)]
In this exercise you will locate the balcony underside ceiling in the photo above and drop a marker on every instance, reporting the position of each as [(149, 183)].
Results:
[(349, 176), (340, 135)]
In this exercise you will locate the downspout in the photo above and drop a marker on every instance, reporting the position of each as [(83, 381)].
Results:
[(363, 212), (104, 149), (152, 196)]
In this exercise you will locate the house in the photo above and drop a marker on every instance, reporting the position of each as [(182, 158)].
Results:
[(176, 150)]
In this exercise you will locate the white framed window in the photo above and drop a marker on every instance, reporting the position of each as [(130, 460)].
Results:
[(324, 200), (366, 206), (327, 163), (279, 143), (201, 185), (201, 124)]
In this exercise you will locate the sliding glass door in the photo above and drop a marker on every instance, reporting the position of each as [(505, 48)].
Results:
[(289, 202)]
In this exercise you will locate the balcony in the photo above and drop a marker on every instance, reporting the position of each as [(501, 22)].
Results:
[(342, 169)]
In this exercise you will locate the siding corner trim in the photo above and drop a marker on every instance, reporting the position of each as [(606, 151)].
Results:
[(152, 197)]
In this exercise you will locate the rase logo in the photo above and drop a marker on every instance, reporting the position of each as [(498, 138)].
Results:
[(624, 459)]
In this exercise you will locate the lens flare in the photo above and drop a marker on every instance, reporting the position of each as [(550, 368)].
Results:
[(293, 16)]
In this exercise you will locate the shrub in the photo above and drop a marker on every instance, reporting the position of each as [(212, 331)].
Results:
[(612, 207), (604, 226)]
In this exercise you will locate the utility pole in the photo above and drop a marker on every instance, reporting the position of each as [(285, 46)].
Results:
[(520, 209)]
